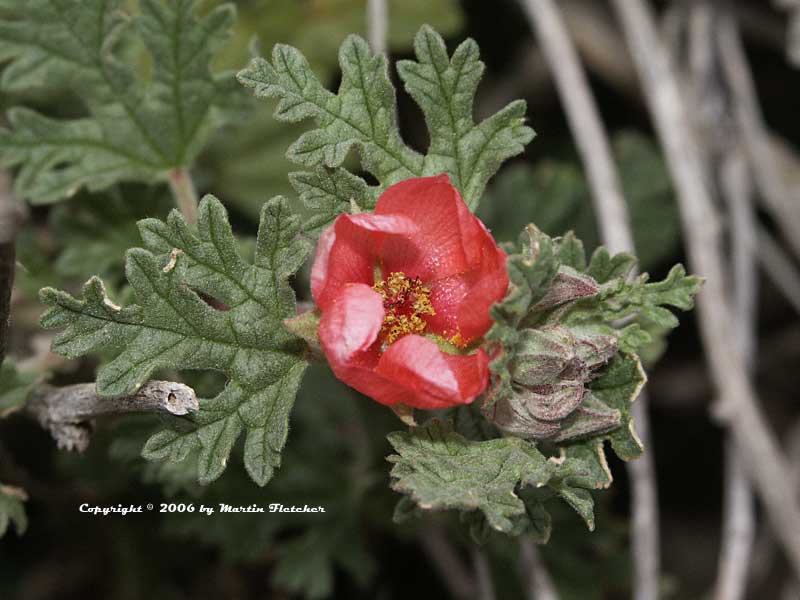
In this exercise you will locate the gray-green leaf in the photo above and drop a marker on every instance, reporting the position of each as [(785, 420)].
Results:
[(135, 129), (172, 327)]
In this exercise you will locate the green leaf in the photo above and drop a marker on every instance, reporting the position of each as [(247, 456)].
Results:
[(618, 386), (445, 89), (582, 468), (97, 229), (15, 385), (136, 128), (441, 469), (636, 300), (12, 509), (170, 326), (364, 115)]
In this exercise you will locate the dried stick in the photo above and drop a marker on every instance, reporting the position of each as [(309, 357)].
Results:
[(725, 162), (480, 565), (455, 575), (765, 463), (539, 584), (782, 201), (779, 267), (377, 25), (612, 215), (738, 510), (67, 412)]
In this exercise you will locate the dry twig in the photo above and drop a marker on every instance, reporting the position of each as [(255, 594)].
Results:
[(454, 574), (68, 412), (8, 234), (538, 582), (766, 464)]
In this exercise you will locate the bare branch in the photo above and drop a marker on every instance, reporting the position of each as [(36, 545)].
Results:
[(454, 574), (609, 202), (766, 464), (738, 510), (584, 121), (539, 584), (480, 565), (780, 199), (779, 267), (377, 25), (67, 412)]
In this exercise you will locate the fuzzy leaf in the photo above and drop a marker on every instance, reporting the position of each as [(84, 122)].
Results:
[(618, 386), (172, 327), (441, 469), (12, 509), (135, 129), (582, 468), (364, 115)]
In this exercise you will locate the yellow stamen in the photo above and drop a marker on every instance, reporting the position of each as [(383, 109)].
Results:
[(405, 300)]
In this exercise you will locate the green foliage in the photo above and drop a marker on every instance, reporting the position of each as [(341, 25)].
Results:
[(556, 298), (555, 195), (15, 385), (246, 161), (172, 327), (12, 509), (137, 127), (364, 115), (97, 229), (506, 478), (441, 469)]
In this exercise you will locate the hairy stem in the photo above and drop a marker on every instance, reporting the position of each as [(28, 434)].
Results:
[(377, 25), (454, 573), (185, 194)]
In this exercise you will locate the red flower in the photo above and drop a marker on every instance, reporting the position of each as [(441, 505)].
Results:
[(397, 286)]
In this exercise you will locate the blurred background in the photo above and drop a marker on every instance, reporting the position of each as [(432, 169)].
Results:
[(336, 451)]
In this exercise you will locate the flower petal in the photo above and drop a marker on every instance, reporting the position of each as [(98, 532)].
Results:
[(350, 324), (348, 251), (450, 239), (430, 377)]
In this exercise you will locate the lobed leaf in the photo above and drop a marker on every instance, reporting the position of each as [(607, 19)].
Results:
[(177, 281), (136, 129), (441, 469), (363, 115)]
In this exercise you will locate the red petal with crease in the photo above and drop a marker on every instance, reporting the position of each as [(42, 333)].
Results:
[(434, 379), (348, 251)]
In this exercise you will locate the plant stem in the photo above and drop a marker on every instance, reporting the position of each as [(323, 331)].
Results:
[(185, 194), (377, 25)]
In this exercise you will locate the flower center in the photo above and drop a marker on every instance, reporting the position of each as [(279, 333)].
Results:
[(405, 301)]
